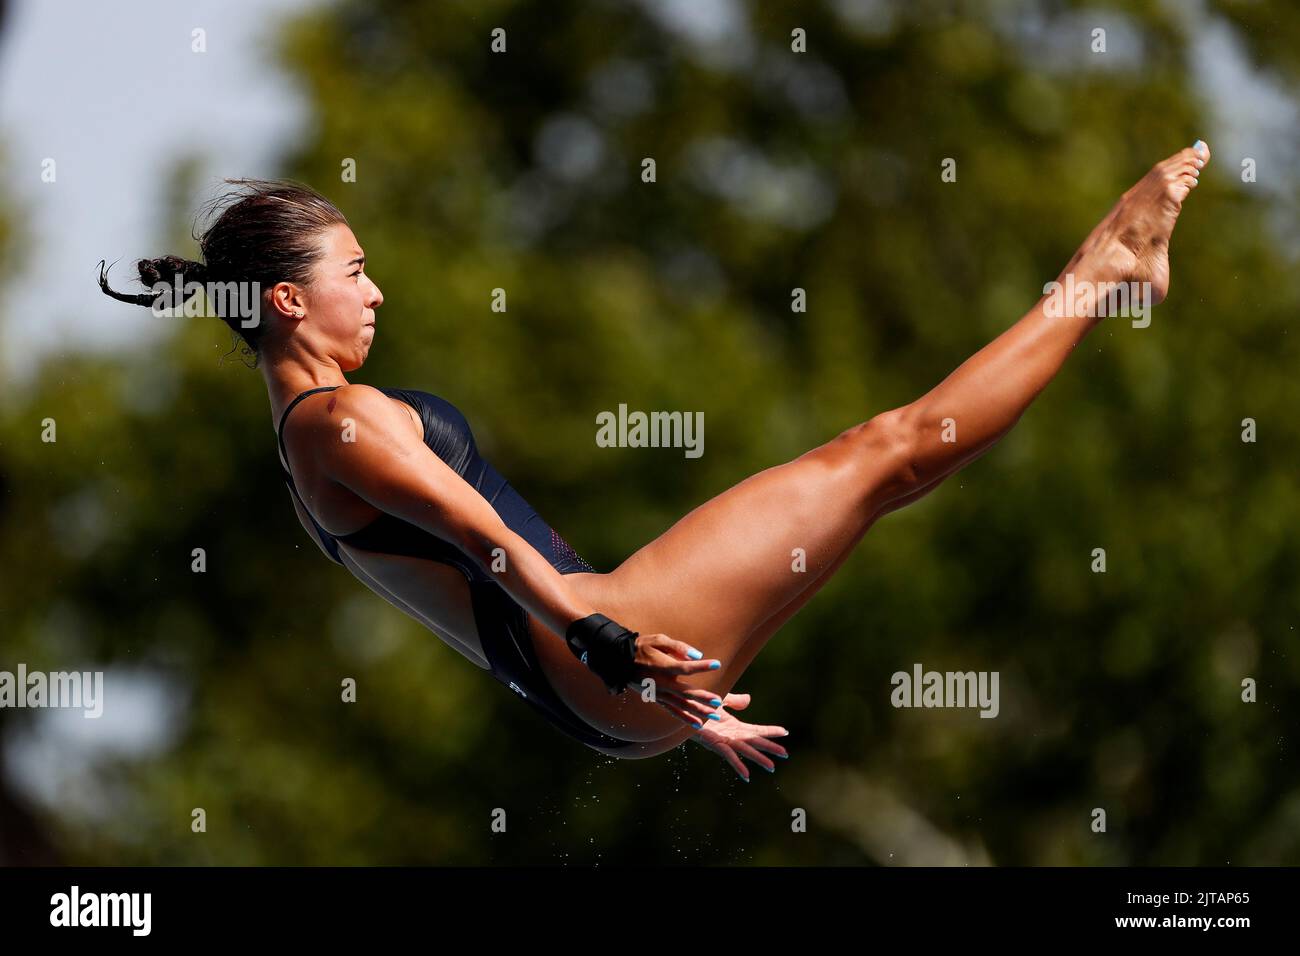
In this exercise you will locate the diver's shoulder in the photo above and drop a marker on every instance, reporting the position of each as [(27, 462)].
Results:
[(351, 403)]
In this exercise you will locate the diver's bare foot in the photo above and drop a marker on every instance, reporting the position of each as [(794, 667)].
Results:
[(1132, 243)]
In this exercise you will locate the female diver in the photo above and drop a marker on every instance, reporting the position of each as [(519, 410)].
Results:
[(389, 483)]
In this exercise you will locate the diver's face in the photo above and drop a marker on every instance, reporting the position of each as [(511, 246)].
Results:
[(340, 303)]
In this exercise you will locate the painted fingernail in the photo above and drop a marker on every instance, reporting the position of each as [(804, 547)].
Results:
[(715, 702), (693, 654), (715, 665), (746, 779), (784, 756), (770, 769), (714, 717), (698, 725)]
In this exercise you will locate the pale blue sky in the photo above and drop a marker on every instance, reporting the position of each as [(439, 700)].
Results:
[(114, 94)]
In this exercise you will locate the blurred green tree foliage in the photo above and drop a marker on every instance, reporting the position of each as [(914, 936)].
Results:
[(522, 170)]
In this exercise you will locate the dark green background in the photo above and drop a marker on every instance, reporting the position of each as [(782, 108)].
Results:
[(1119, 691)]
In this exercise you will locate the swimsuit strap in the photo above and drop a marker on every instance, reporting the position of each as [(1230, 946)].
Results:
[(280, 432), (326, 539)]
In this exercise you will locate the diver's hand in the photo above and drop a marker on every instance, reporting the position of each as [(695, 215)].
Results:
[(731, 738), (666, 662)]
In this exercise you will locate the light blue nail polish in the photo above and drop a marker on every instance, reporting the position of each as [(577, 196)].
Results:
[(714, 717), (715, 703), (693, 654), (770, 769), (746, 779), (698, 725), (1198, 145), (784, 756), (715, 665)]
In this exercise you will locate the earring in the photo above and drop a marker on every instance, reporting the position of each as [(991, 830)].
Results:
[(298, 314)]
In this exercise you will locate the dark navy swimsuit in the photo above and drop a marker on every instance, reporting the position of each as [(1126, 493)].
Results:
[(502, 622)]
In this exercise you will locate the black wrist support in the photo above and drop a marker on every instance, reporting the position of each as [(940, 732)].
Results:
[(606, 647)]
